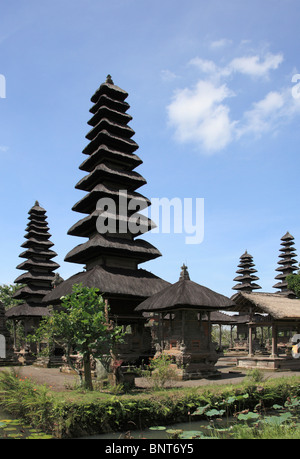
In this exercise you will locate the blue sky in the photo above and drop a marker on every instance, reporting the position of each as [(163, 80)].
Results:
[(210, 89)]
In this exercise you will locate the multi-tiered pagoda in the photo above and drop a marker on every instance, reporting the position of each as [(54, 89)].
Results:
[(112, 253), (246, 278), (287, 264), (37, 280)]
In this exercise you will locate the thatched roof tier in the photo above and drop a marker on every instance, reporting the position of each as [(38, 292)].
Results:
[(24, 310), (104, 124), (87, 225), (103, 245), (111, 90), (37, 263), (106, 110), (111, 140), (185, 294), (32, 294), (110, 102), (86, 205), (36, 243), (103, 154), (26, 277), (274, 304), (246, 286), (111, 282), (41, 235), (34, 252), (124, 179)]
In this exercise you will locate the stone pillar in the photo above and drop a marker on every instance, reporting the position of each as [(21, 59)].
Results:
[(274, 352), (209, 330), (250, 351)]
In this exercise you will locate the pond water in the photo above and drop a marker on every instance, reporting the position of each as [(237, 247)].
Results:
[(13, 428), (160, 432)]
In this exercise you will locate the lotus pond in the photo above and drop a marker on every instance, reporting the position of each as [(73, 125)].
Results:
[(11, 428), (282, 421)]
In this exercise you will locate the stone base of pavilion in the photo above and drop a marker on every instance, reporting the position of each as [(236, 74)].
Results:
[(193, 366), (272, 363), (197, 373)]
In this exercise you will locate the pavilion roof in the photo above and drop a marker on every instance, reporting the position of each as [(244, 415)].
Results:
[(185, 294), (25, 310), (274, 304)]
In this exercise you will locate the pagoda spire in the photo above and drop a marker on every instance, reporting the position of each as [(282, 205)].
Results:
[(246, 276), (287, 264), (111, 178), (38, 264), (184, 275)]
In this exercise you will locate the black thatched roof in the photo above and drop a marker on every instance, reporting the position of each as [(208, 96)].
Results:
[(246, 278), (25, 310), (286, 263), (185, 294), (38, 264), (111, 281), (110, 162), (102, 245)]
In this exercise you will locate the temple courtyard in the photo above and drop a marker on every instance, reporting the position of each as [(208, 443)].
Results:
[(228, 374)]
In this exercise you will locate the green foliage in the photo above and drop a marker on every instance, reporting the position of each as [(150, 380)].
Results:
[(22, 398), (82, 324), (87, 413), (256, 375), (6, 295), (293, 281), (159, 372)]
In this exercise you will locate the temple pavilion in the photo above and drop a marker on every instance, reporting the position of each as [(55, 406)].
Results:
[(182, 312), (278, 311), (113, 252)]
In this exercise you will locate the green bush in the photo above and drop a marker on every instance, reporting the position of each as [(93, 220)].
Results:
[(91, 413)]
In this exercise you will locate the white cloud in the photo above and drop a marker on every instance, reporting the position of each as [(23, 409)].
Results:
[(204, 65), (268, 114), (3, 148), (248, 65), (201, 114), (220, 43), (254, 66)]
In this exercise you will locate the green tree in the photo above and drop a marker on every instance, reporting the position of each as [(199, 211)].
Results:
[(293, 281), (82, 323), (6, 295)]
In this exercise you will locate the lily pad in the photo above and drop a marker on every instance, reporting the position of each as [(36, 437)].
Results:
[(249, 416), (157, 428), (189, 434), (214, 412)]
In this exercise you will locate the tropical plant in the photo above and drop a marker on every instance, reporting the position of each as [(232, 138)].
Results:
[(82, 324)]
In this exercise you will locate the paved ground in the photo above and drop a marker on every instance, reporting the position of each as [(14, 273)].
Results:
[(58, 381)]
